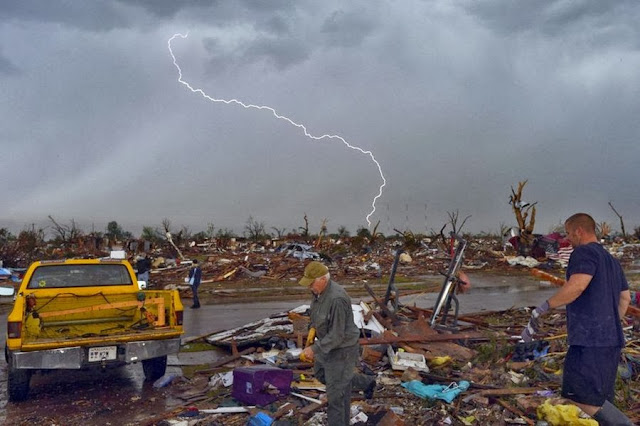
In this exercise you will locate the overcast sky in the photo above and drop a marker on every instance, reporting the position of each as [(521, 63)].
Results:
[(457, 101)]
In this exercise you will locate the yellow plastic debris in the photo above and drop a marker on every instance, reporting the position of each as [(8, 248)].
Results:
[(468, 421), (440, 360), (562, 415)]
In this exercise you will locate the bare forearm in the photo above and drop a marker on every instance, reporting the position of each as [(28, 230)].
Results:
[(623, 304), (563, 297), (570, 291)]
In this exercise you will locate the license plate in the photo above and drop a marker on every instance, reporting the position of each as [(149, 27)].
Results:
[(103, 353)]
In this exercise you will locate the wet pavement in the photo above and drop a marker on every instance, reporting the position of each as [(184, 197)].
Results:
[(493, 293), (121, 396)]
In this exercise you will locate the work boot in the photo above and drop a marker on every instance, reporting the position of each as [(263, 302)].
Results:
[(368, 392), (609, 415)]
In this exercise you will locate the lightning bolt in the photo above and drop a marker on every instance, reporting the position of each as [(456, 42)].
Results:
[(281, 117)]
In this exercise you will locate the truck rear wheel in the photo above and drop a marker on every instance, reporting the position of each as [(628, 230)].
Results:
[(18, 383), (154, 368)]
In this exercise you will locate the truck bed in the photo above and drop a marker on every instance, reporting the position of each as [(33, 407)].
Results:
[(69, 319)]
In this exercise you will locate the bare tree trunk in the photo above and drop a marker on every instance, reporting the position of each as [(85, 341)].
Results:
[(322, 233), (68, 234), (453, 220), (166, 224), (522, 211), (444, 239), (624, 234), (305, 229)]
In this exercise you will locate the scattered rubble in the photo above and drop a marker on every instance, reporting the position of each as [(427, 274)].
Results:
[(250, 271), (473, 374), (508, 382)]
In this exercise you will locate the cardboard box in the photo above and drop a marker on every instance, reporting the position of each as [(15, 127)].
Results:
[(260, 385)]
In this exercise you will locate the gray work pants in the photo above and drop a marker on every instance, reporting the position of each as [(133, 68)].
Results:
[(337, 371)]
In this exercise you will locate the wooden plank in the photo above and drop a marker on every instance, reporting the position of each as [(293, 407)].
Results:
[(559, 282), (509, 391), (429, 338), (226, 360), (382, 306), (515, 411), (283, 410), (305, 411), (308, 398), (465, 318)]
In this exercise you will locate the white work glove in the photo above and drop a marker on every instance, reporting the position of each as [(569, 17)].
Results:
[(534, 325)]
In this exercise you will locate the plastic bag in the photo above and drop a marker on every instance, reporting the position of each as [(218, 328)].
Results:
[(446, 393), (563, 415)]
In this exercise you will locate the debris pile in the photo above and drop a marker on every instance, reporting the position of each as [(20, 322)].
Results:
[(276, 265), (254, 268), (474, 372)]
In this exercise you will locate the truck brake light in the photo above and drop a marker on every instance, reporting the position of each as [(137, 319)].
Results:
[(179, 317), (14, 330)]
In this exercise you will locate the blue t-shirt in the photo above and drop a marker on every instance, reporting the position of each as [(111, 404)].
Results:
[(592, 319)]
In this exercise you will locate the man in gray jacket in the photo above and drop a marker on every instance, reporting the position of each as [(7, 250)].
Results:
[(336, 350)]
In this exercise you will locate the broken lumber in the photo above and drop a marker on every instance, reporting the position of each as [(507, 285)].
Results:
[(226, 360), (515, 411), (509, 391), (466, 318), (429, 338), (382, 305), (557, 281)]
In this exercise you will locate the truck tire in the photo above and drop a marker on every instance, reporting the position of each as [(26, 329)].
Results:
[(154, 368), (18, 383)]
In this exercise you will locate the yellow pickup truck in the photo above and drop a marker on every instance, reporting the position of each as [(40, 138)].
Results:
[(84, 313)]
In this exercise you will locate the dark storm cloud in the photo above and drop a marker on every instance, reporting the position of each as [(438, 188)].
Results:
[(90, 16), (284, 40), (272, 44), (347, 28), (168, 8), (277, 25), (280, 53), (457, 100), (601, 23)]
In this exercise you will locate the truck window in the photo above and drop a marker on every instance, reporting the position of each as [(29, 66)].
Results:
[(63, 276)]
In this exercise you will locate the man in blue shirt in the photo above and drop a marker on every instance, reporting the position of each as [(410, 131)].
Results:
[(597, 295), (143, 266), (195, 275)]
